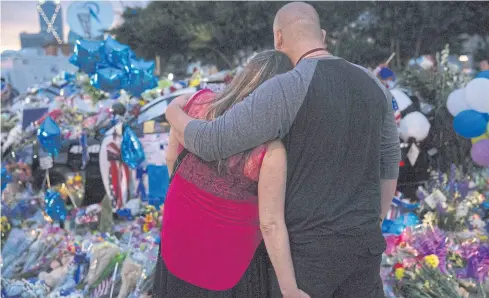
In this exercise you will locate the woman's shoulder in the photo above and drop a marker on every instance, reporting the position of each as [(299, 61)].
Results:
[(198, 104)]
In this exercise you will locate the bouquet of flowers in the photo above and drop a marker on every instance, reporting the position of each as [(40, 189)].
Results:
[(425, 280)]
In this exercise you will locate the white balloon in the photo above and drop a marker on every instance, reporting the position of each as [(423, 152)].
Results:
[(403, 101), (477, 94), (457, 102), (414, 125)]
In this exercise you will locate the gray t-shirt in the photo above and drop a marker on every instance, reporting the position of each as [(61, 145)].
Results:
[(337, 124)]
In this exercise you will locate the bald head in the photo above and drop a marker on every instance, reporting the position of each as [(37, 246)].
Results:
[(294, 12), (297, 29), (298, 20)]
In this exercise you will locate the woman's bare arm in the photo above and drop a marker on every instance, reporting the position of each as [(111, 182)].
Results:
[(271, 202), (172, 151)]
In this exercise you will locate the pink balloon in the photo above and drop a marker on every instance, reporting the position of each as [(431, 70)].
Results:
[(480, 153)]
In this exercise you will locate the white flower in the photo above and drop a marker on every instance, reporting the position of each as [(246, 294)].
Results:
[(462, 211), (477, 222)]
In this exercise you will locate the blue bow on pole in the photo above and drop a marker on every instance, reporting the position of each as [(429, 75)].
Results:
[(84, 146), (141, 190)]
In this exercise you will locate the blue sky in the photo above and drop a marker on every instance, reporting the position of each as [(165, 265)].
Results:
[(21, 16)]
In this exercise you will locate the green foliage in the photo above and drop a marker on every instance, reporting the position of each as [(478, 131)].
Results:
[(362, 32), (215, 31), (109, 270), (95, 94), (428, 283)]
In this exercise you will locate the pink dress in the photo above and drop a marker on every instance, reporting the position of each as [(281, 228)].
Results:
[(210, 222)]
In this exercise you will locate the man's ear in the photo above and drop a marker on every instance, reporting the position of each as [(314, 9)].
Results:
[(278, 39), (324, 35)]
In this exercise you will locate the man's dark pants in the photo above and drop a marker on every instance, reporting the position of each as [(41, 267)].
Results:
[(338, 266)]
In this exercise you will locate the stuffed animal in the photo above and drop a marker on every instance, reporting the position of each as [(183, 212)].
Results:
[(60, 270)]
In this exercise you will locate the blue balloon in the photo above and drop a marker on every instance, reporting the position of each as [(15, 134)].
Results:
[(86, 65), (54, 205), (89, 49), (141, 65), (141, 77), (141, 83), (6, 178), (109, 79), (118, 55), (483, 74), (470, 124), (131, 149), (49, 136)]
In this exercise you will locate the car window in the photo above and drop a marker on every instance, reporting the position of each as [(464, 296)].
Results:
[(154, 111)]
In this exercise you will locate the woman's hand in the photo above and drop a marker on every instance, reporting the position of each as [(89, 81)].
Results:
[(180, 101), (296, 293)]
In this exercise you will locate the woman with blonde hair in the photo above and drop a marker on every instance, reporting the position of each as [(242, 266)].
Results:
[(217, 214)]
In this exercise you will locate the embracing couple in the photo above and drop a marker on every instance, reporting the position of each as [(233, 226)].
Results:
[(282, 180)]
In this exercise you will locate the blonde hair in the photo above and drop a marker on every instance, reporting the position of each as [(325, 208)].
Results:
[(262, 67)]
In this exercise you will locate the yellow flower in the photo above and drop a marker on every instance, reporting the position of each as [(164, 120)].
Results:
[(432, 261), (399, 273), (427, 284)]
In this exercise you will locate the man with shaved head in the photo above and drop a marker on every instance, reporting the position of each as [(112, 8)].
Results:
[(337, 124)]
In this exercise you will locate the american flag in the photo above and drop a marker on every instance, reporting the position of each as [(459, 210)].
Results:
[(102, 289), (397, 113)]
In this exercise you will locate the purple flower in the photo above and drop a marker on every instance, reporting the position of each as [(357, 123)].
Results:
[(477, 257), (432, 242)]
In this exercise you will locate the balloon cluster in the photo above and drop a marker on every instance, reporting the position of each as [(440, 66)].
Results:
[(470, 106), (113, 66)]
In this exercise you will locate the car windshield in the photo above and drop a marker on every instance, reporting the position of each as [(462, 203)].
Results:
[(154, 111)]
